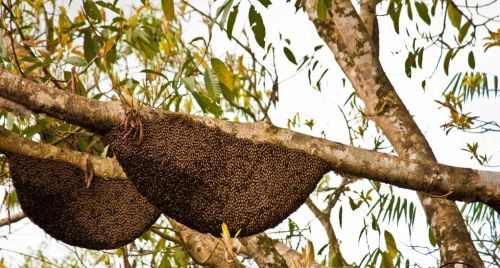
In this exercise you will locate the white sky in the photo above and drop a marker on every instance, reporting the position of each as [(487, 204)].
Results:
[(297, 96)]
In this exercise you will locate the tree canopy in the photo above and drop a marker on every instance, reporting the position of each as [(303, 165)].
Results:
[(251, 71)]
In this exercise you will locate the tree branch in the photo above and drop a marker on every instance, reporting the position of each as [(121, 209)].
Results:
[(368, 15), (106, 168), (436, 179), (12, 218), (324, 219), (348, 39)]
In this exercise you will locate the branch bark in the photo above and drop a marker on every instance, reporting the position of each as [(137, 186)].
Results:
[(12, 218), (109, 168), (347, 37), (454, 183), (334, 247)]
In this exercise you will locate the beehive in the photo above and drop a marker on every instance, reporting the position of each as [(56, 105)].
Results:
[(203, 177), (109, 214)]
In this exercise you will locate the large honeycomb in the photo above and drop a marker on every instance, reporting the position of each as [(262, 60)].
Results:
[(203, 177), (109, 214)]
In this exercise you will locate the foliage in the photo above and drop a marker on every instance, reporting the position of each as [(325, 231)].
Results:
[(150, 54)]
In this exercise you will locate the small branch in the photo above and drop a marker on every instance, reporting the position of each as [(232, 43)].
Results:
[(12, 219), (166, 236), (324, 219)]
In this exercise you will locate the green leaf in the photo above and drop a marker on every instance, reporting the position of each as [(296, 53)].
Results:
[(423, 12), (212, 85), (206, 104), (109, 6), (394, 12), (258, 28), (91, 10), (149, 71), (447, 59), (289, 55), (223, 73), (390, 244), (32, 130), (230, 22), (322, 9), (432, 240), (463, 31), (90, 46), (168, 9), (454, 15), (420, 57), (75, 60), (224, 10), (265, 3), (410, 61), (408, 9), (471, 60)]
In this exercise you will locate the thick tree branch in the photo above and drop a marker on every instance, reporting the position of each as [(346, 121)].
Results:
[(106, 168), (13, 107), (206, 250), (436, 179), (368, 15), (347, 37), (260, 247)]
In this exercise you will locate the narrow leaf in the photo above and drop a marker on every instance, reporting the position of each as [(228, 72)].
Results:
[(322, 9), (258, 28), (464, 30), (471, 60), (423, 12), (265, 3), (223, 73), (212, 85), (289, 55), (168, 9), (230, 22), (447, 59), (454, 15), (390, 243), (75, 60), (395, 13), (91, 10), (90, 46)]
